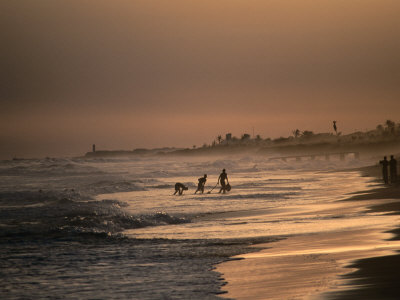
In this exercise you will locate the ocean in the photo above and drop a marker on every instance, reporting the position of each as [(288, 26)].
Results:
[(111, 228)]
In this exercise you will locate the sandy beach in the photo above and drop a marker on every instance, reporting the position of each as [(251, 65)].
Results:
[(346, 264)]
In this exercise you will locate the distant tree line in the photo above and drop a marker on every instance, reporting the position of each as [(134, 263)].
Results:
[(388, 129)]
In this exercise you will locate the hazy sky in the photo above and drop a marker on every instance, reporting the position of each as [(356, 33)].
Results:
[(151, 73)]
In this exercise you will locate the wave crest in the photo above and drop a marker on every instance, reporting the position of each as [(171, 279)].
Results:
[(68, 216)]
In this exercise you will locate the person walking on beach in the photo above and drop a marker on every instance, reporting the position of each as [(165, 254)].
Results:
[(393, 169), (221, 179), (179, 187), (201, 184), (385, 164)]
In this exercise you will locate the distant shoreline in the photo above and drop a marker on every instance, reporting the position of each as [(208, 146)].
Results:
[(321, 148)]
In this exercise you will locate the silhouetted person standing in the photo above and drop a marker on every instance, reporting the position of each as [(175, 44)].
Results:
[(335, 127), (179, 187), (393, 169), (221, 179), (385, 164), (200, 185)]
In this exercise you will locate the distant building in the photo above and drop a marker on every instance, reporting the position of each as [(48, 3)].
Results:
[(245, 136)]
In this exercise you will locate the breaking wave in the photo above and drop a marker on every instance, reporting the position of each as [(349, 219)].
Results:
[(66, 213)]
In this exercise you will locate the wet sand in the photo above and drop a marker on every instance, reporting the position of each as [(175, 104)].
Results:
[(350, 264), (376, 277)]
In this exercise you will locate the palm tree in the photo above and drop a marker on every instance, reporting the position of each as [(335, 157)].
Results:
[(296, 133), (380, 128), (219, 138), (390, 125)]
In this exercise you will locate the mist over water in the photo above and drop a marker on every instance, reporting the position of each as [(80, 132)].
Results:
[(111, 228)]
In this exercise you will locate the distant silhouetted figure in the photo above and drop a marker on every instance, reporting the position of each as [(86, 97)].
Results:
[(179, 187), (94, 148), (385, 164), (200, 185), (221, 179), (335, 127), (393, 169)]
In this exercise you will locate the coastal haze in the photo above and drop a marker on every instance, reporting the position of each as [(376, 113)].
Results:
[(179, 149), (129, 74)]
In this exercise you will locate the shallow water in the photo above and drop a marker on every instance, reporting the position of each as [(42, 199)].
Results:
[(111, 228)]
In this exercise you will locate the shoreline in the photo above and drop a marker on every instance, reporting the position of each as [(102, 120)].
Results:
[(333, 265), (376, 277)]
